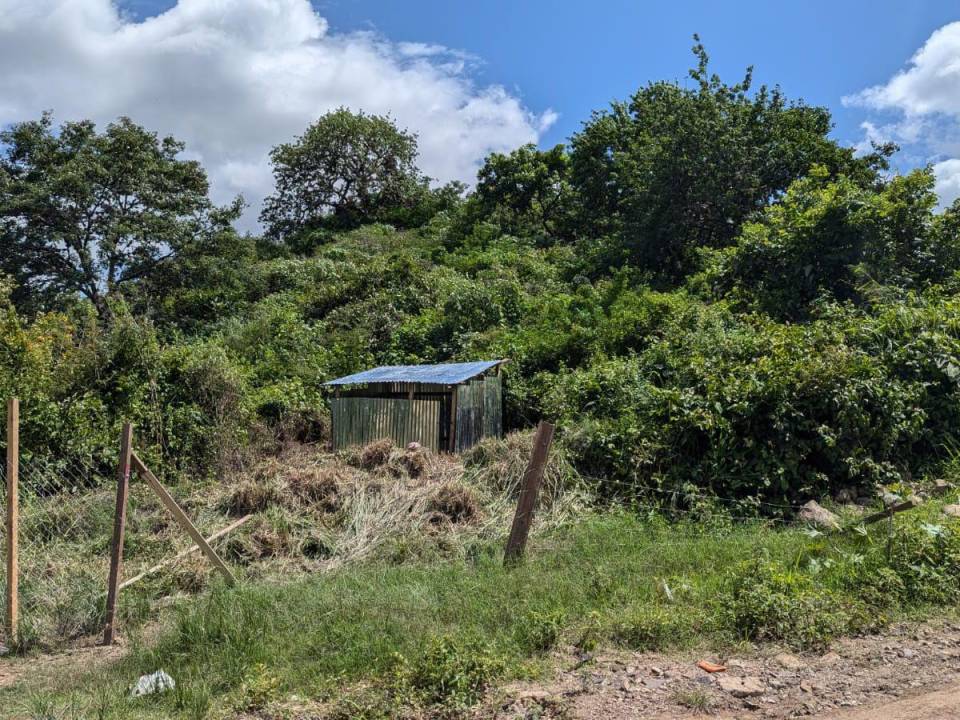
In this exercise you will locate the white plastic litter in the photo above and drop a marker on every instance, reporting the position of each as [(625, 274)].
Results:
[(157, 682)]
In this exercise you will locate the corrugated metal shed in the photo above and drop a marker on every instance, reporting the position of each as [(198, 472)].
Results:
[(443, 374)]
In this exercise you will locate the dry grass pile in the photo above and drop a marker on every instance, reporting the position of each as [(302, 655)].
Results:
[(379, 500), (312, 511)]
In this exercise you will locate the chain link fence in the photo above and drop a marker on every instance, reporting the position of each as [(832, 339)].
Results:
[(65, 521)]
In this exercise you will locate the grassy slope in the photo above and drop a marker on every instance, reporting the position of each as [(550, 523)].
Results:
[(328, 631)]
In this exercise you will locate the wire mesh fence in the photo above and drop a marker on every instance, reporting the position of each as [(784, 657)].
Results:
[(65, 515)]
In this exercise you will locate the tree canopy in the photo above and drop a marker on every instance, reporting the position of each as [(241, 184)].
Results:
[(347, 169), (87, 213)]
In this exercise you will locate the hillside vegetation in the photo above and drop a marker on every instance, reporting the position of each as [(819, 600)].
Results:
[(725, 312)]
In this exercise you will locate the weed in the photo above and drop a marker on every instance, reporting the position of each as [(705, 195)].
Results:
[(250, 495), (540, 631), (448, 673), (318, 486), (693, 699), (765, 601), (652, 628), (260, 687)]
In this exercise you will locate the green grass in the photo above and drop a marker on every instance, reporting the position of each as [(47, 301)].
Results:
[(609, 578)]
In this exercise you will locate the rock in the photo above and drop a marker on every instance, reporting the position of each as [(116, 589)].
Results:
[(157, 682), (846, 495), (940, 487), (788, 661), (890, 498), (951, 510), (656, 672), (830, 658), (741, 687), (654, 683), (814, 512), (906, 653)]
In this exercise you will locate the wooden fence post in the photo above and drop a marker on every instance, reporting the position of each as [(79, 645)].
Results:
[(11, 616), (119, 525), (532, 479)]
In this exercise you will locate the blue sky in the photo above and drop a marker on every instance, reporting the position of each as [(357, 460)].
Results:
[(575, 57), (233, 78)]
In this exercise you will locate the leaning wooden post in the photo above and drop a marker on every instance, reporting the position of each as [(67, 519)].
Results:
[(119, 525), (11, 617), (532, 479), (181, 517)]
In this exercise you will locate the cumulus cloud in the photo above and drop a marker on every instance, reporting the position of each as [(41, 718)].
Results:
[(924, 99), (232, 78), (947, 173)]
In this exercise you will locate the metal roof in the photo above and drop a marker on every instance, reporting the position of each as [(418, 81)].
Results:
[(443, 374)]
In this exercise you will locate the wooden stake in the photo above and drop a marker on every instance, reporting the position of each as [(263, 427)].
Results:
[(119, 528), (181, 517), (532, 479), (183, 553), (11, 617)]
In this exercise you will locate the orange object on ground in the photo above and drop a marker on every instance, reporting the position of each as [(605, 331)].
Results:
[(711, 667)]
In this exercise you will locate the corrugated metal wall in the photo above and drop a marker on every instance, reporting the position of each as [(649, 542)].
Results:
[(360, 420), (479, 412)]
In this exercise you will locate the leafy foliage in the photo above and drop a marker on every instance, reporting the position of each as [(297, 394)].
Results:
[(89, 213)]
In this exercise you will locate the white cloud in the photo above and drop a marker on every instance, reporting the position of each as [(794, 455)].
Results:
[(924, 98), (930, 85), (232, 78), (948, 180)]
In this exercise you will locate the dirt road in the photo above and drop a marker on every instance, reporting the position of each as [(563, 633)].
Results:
[(910, 673), (937, 705)]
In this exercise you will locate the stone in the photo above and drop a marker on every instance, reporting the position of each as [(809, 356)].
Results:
[(741, 687), (654, 683), (940, 487), (846, 495), (788, 661), (656, 672), (158, 682), (830, 658), (890, 499), (813, 512), (951, 510)]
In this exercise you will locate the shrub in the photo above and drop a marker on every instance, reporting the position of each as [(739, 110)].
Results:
[(652, 628), (449, 673), (540, 631), (764, 601)]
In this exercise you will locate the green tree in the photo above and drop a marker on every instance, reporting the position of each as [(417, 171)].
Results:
[(87, 214), (676, 168), (347, 169), (832, 237), (528, 192)]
